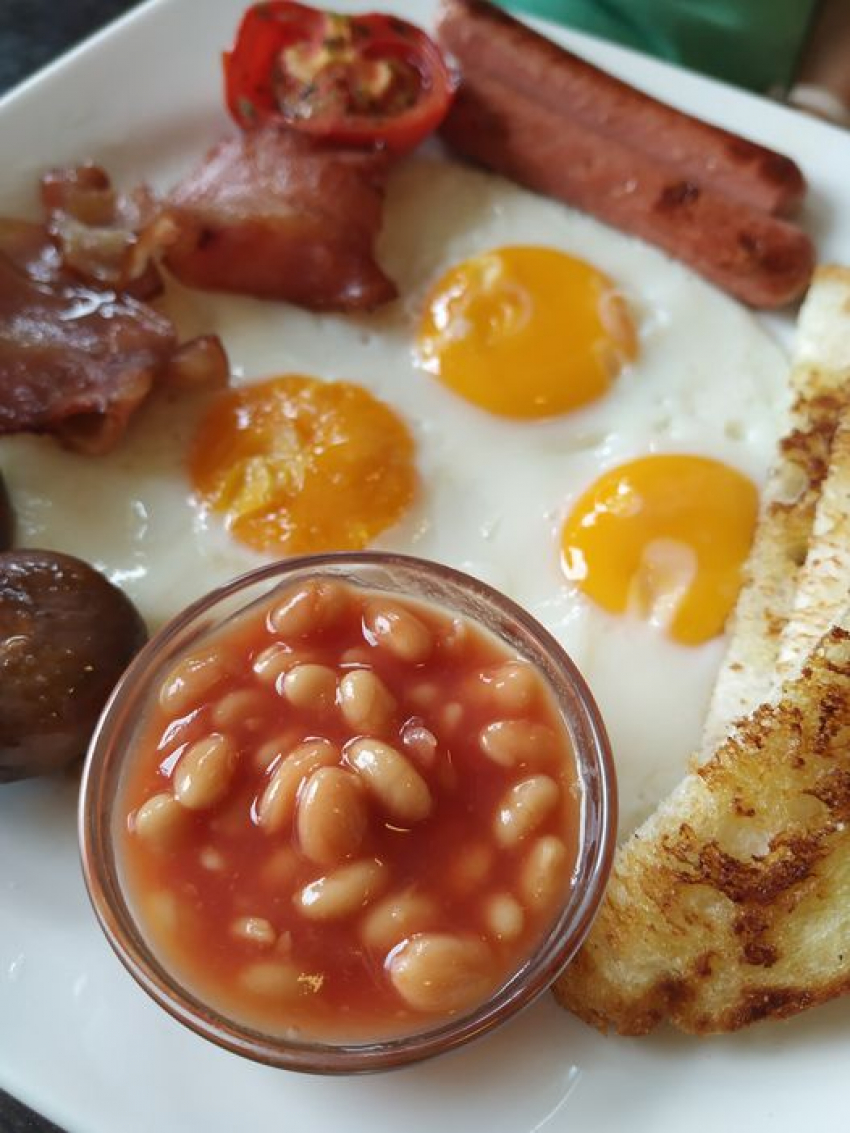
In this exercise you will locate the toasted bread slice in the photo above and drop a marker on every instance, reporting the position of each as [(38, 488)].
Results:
[(819, 390), (730, 903), (823, 584)]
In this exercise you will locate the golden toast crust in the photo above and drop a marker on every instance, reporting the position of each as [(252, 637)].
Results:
[(733, 902)]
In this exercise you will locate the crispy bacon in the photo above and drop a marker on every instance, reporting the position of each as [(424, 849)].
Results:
[(201, 363), (277, 215), (29, 248), (74, 361), (105, 238), (77, 359)]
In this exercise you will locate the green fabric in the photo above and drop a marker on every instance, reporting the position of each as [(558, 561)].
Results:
[(752, 43)]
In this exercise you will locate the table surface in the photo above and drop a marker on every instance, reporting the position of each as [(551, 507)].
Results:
[(32, 33)]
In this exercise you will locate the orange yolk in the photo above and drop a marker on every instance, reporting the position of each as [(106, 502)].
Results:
[(298, 465), (664, 537), (526, 332)]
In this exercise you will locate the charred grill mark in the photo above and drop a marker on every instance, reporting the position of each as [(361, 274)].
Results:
[(677, 197)]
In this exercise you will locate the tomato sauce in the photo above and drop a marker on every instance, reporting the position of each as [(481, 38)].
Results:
[(448, 867)]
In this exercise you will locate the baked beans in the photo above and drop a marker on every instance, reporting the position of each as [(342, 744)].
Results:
[(391, 779), (332, 816), (351, 807), (204, 772), (366, 703), (441, 973)]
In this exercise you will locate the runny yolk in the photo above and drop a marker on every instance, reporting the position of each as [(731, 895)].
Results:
[(664, 538), (526, 332), (298, 465)]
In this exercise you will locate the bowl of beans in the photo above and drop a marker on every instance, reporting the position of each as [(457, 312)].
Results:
[(348, 812)]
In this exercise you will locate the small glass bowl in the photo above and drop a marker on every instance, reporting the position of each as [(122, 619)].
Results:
[(404, 576)]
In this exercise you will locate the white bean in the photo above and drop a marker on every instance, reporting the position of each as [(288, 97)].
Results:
[(310, 687), (254, 930), (276, 749), (455, 636), (395, 917), (505, 917), (343, 892), (512, 688), (279, 869), (451, 716), (512, 743), (544, 873), (277, 802), (162, 911), (212, 859), (190, 680), (204, 772), (391, 779), (243, 707), (439, 973), (160, 821), (332, 817), (419, 741), (391, 626), (276, 660), (271, 979), (310, 609), (423, 696), (524, 807), (366, 702)]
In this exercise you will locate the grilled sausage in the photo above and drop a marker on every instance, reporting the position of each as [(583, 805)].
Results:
[(761, 259), (479, 34)]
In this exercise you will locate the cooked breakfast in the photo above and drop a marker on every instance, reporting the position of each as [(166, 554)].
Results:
[(66, 635), (477, 32), (278, 215), (349, 814), (296, 465), (355, 815), (533, 112), (103, 238), (493, 331), (370, 80), (664, 537), (79, 352)]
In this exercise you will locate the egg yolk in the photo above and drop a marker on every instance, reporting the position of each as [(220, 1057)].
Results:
[(665, 538), (526, 332), (298, 465)]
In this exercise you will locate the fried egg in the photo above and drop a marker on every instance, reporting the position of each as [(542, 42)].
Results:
[(500, 465), (664, 537), (525, 331), (297, 465)]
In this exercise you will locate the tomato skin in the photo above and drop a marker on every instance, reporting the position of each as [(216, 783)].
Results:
[(268, 29)]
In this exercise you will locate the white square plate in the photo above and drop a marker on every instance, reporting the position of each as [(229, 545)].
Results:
[(78, 1039)]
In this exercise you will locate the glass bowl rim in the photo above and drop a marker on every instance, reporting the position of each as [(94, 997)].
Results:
[(531, 980)]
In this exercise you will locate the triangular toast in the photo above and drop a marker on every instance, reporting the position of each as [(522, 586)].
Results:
[(819, 373)]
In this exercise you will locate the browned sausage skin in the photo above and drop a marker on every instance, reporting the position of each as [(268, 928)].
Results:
[(760, 259), (474, 31)]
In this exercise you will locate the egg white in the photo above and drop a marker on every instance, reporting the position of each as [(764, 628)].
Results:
[(708, 380)]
